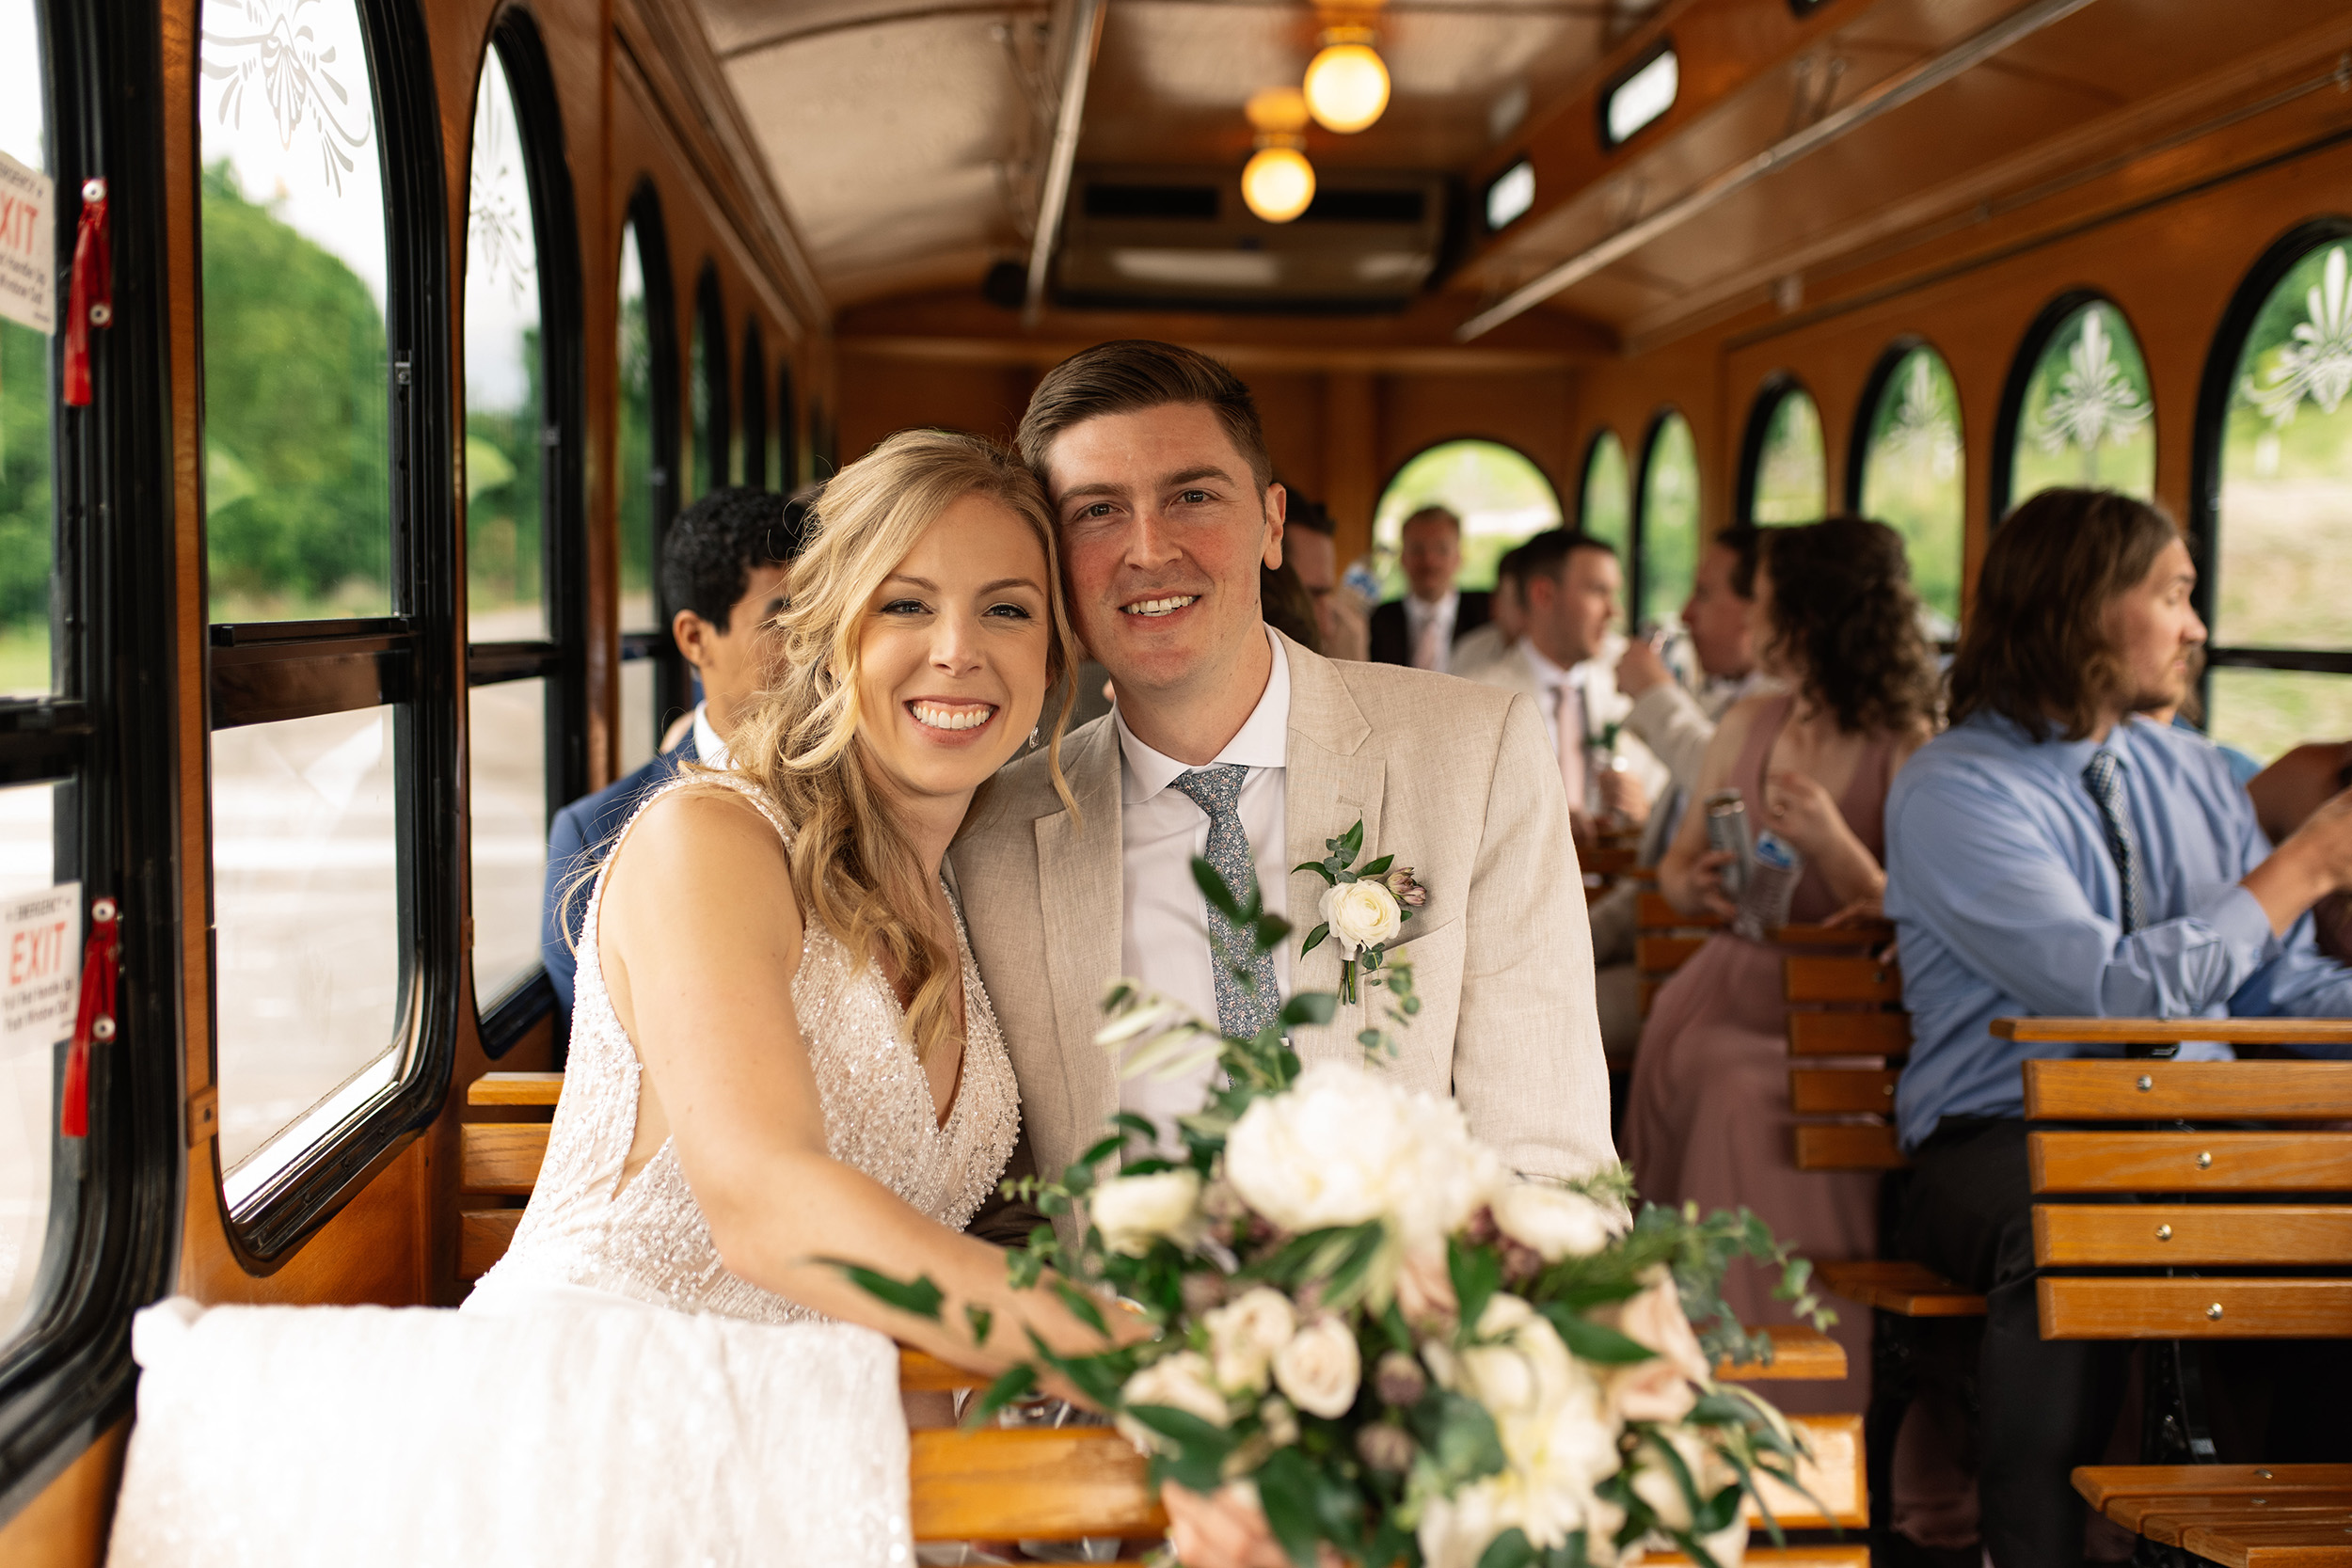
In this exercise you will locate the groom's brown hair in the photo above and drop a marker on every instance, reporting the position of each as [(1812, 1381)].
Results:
[(1132, 374)]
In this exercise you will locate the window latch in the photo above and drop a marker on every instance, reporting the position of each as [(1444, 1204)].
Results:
[(89, 302)]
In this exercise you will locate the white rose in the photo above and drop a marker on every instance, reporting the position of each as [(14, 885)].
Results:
[(1361, 915), (1553, 1222), (1455, 1532), (1652, 1390), (1132, 1212), (1180, 1382), (1244, 1334), (1346, 1145), (1320, 1369), (1654, 1320)]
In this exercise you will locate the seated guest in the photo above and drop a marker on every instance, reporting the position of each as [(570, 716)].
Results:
[(723, 566), (1676, 726), (1707, 1118), (1570, 583), (2056, 853), (1506, 622), (1421, 628), (1310, 551)]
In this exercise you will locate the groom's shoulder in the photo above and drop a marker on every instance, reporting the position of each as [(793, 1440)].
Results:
[(1415, 707), (1017, 794)]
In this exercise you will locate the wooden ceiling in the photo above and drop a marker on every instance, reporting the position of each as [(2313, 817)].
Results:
[(906, 136)]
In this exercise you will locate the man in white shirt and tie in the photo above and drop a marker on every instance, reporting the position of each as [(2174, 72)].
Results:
[(1421, 628)]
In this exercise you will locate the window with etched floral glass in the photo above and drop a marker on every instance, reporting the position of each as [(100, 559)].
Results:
[(1500, 494), (2087, 417), (1789, 480), (1914, 476), (1606, 510), (2283, 529), (1667, 526)]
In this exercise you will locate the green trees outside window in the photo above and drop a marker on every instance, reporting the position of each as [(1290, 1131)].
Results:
[(1669, 522), (1914, 477), (1606, 509)]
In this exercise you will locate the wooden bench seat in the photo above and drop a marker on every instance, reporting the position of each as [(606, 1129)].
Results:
[(1906, 1289), (2245, 1516)]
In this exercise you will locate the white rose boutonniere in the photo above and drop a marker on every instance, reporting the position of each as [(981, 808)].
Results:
[(1364, 909)]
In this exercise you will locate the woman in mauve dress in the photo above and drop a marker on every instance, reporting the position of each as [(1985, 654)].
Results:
[(1708, 1117)]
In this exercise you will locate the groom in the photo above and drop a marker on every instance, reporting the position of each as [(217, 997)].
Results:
[(1232, 742)]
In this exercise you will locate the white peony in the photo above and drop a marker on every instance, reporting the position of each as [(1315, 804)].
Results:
[(1655, 1320), (1455, 1532), (1320, 1369), (1361, 915), (1346, 1145), (1180, 1382), (1244, 1335), (1132, 1212), (1553, 1222)]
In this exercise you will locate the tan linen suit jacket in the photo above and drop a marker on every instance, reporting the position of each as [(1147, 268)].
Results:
[(1455, 779)]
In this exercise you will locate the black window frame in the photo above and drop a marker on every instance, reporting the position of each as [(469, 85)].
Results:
[(710, 335), (788, 428), (110, 734), (756, 431), (561, 658), (2206, 437), (1637, 518), (1768, 396), (411, 659), (2002, 476), (665, 476)]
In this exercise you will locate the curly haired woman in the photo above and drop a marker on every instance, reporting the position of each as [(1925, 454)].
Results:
[(1708, 1117)]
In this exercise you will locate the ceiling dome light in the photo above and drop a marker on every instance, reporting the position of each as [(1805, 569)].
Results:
[(1278, 182), (1347, 83)]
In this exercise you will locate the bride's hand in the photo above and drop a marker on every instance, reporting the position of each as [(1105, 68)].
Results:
[(1225, 1529)]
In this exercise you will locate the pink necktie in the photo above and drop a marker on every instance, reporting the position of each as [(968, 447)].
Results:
[(1425, 643), (1568, 720)]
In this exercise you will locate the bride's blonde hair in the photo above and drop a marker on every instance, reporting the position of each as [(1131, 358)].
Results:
[(853, 870)]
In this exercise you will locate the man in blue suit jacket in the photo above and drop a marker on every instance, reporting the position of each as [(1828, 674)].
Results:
[(724, 564)]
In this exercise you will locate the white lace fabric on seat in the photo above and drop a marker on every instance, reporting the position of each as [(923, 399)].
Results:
[(648, 1240)]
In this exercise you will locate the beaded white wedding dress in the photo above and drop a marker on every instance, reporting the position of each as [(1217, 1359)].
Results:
[(646, 1242)]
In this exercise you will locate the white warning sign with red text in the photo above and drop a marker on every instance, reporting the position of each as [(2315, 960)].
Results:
[(28, 246), (41, 967)]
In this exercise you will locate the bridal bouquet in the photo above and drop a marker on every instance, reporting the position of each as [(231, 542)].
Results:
[(1415, 1357)]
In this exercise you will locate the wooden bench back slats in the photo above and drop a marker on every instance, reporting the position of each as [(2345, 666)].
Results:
[(1850, 1035), (2165, 1520), (1651, 911), (1840, 1091), (1663, 955), (501, 1157), (483, 1237), (1606, 861), (1815, 979), (2176, 1030), (2143, 1308), (2188, 1091), (2189, 1161), (2190, 1234), (515, 1088), (2104, 1485), (1846, 1146), (2316, 1546)]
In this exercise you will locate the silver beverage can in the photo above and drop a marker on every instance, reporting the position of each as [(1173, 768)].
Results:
[(1727, 830)]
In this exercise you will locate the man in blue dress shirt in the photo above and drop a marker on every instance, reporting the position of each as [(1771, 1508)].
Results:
[(2054, 854), (722, 567)]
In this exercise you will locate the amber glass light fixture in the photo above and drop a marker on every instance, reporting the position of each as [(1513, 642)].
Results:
[(1278, 182), (1347, 82)]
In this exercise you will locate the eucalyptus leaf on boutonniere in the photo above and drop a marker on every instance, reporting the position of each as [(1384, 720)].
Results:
[(1364, 909)]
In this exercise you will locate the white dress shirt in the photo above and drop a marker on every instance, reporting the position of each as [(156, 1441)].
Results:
[(1443, 612), (709, 749), (1164, 925), (1549, 678)]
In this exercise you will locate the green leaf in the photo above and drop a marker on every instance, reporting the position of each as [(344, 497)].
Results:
[(1314, 939), (919, 1296), (1213, 888), (1458, 1438), (1015, 1383), (1377, 868), (1511, 1549), (1181, 1426), (1286, 1487), (1317, 867), (1140, 1126), (1308, 1006), (1593, 1341), (982, 1323), (1477, 1271), (1269, 932), (1100, 1149), (1351, 843), (1081, 1305)]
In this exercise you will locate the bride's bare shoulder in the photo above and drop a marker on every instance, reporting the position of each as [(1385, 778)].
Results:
[(706, 836)]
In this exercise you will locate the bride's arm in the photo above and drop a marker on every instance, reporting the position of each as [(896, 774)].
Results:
[(700, 936)]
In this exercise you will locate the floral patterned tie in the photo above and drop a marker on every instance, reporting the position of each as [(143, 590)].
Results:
[(1241, 1012), (2104, 777)]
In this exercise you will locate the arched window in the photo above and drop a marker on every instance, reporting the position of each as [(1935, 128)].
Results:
[(755, 406), (647, 497), (1666, 523), (336, 883), (2274, 497), (2078, 409), (1605, 501), (708, 383), (1911, 471), (1498, 491), (525, 569), (1784, 469)]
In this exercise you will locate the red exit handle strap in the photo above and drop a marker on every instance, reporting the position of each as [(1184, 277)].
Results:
[(90, 300), (94, 1021)]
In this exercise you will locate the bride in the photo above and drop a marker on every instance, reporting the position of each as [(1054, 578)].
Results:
[(782, 1059)]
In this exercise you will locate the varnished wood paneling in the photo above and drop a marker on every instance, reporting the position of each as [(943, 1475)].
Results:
[(65, 1526), (515, 1088), (1037, 1483)]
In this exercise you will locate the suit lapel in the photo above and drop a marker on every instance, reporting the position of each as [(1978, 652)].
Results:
[(1078, 890), (1328, 784)]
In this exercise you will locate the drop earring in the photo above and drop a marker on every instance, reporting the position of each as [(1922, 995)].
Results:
[(1033, 736)]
